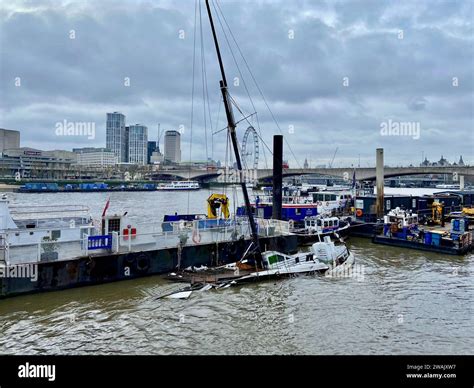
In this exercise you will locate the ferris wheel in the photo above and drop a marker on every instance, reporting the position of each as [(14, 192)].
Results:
[(250, 148)]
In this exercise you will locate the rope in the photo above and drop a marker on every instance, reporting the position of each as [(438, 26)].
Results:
[(219, 11), (192, 101), (256, 84)]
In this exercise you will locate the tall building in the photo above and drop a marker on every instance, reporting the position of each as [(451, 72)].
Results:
[(150, 149), (9, 139), (116, 136), (137, 144), (172, 146), (97, 157)]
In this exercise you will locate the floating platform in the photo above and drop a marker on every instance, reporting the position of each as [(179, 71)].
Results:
[(153, 252), (402, 243)]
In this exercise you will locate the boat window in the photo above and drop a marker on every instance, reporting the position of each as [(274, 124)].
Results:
[(297, 211), (325, 223), (319, 222), (388, 204), (55, 234), (281, 258), (114, 225), (330, 223), (309, 257), (272, 259)]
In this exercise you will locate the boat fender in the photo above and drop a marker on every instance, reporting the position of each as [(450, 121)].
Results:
[(359, 213), (196, 236), (143, 263)]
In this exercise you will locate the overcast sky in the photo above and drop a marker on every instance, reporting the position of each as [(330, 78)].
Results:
[(333, 73)]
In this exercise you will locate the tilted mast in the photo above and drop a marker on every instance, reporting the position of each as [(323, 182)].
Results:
[(233, 136)]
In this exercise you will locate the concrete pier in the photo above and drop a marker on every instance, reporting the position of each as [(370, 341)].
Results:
[(379, 176)]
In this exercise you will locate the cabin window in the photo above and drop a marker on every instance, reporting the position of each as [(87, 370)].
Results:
[(114, 225), (281, 258), (55, 234), (330, 223), (272, 259), (298, 211), (325, 224), (388, 204), (319, 222)]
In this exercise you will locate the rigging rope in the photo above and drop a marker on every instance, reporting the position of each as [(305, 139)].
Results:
[(241, 76), (192, 100), (256, 84)]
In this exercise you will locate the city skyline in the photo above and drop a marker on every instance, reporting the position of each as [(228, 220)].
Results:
[(344, 72)]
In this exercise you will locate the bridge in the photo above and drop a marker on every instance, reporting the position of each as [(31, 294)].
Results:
[(346, 173), (368, 173)]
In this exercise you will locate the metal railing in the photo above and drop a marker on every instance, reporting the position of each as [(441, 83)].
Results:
[(152, 238)]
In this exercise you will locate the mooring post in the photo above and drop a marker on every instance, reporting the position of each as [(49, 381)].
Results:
[(277, 176), (379, 175)]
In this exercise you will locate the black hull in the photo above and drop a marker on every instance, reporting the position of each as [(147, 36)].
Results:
[(86, 271), (396, 242)]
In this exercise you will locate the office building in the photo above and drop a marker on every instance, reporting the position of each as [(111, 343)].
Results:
[(9, 139), (137, 144), (95, 157), (172, 146), (116, 136), (150, 149)]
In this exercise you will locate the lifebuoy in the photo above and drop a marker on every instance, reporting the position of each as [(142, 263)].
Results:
[(359, 213), (196, 236)]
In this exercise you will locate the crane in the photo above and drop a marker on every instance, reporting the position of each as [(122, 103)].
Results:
[(332, 160)]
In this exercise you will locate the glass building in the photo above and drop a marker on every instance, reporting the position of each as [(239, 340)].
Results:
[(116, 136), (138, 144)]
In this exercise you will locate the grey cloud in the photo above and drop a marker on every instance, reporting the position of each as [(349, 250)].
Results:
[(409, 79)]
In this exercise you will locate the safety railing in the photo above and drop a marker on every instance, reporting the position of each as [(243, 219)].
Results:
[(145, 239)]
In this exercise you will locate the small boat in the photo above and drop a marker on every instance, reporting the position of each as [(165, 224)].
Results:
[(317, 227), (325, 257), (179, 186), (402, 229)]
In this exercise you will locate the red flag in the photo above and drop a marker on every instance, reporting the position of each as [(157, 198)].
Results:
[(106, 207)]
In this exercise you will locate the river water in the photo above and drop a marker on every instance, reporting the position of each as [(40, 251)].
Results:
[(401, 302)]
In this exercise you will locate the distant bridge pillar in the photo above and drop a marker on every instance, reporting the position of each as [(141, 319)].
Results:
[(379, 176)]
